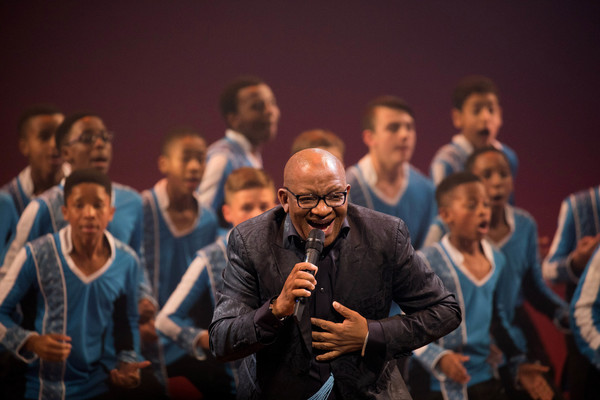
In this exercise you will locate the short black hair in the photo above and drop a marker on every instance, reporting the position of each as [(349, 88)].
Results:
[(449, 183), (62, 132), (469, 85), (317, 138), (473, 157), (34, 111), (228, 100), (87, 175), (176, 134), (393, 102)]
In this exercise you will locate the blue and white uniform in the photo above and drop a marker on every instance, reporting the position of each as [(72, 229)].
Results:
[(168, 251), (98, 311), (44, 215), (477, 301), (414, 203), (8, 223), (579, 216), (585, 311), (204, 276), (452, 157), (522, 278), (21, 187), (223, 157)]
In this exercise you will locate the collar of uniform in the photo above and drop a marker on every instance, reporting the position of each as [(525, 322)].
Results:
[(461, 141), (368, 172), (509, 213), (66, 243), (458, 259), (160, 189), (245, 144)]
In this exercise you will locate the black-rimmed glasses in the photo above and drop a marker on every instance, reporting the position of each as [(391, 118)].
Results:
[(90, 136), (308, 201)]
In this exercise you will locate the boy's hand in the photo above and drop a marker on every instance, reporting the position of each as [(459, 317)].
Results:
[(582, 253), (531, 378), (127, 375), (49, 347), (204, 341), (496, 356), (147, 312), (452, 366)]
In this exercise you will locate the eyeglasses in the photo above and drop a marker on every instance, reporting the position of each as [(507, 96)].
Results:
[(308, 201), (90, 136)]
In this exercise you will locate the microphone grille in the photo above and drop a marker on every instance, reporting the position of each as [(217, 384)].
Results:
[(315, 240)]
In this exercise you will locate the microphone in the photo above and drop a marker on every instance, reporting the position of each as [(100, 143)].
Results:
[(313, 248)]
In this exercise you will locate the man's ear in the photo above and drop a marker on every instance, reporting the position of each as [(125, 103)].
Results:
[(367, 136), (226, 209), (284, 198), (163, 163), (232, 120), (457, 118), (445, 214), (24, 147), (64, 212)]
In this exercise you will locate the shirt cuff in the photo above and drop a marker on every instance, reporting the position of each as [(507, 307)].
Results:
[(375, 350), (266, 324)]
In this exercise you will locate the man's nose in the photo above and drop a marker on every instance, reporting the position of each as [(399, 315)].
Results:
[(321, 208)]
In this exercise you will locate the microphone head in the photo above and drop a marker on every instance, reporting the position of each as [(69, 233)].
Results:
[(315, 240)]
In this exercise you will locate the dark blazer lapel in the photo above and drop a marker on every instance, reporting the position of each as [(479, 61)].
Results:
[(348, 267)]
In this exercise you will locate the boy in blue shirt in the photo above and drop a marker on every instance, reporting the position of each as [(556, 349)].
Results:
[(577, 237), (585, 325), (85, 143), (383, 180), (248, 193), (470, 267), (250, 111), (514, 232), (477, 114), (176, 225), (36, 129), (81, 285)]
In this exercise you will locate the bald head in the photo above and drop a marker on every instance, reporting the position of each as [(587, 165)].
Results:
[(310, 161), (315, 173)]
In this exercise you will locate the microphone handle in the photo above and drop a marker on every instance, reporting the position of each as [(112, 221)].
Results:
[(312, 255)]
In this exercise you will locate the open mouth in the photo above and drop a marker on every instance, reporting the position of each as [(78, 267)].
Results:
[(483, 226), (321, 225), (99, 162), (484, 132)]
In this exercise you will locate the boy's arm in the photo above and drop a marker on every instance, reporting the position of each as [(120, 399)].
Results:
[(125, 317), (538, 293), (557, 265), (171, 321), (216, 168), (585, 302), (429, 357), (439, 169), (18, 280), (436, 232), (28, 228)]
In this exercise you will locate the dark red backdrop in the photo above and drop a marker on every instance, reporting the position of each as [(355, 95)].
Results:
[(147, 66)]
